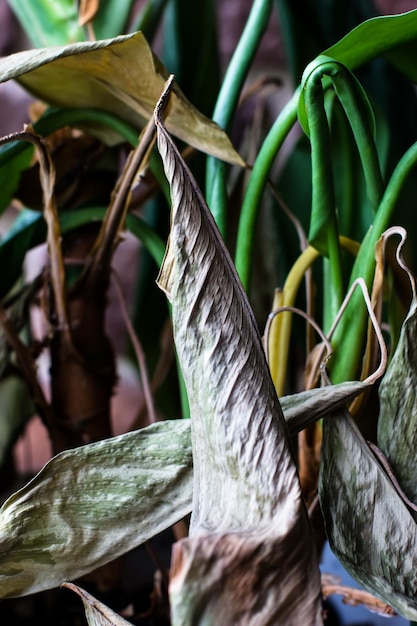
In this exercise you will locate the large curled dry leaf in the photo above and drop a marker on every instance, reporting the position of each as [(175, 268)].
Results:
[(121, 76), (89, 505), (97, 613), (250, 557), (397, 422), (369, 526)]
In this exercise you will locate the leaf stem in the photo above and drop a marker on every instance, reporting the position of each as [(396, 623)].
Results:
[(227, 101), (256, 185), (348, 336)]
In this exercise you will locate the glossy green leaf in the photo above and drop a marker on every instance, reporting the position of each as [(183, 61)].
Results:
[(248, 515), (119, 75), (28, 230), (91, 504), (394, 37), (48, 22), (369, 526)]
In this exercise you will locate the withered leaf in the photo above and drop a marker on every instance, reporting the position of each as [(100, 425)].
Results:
[(369, 527), (91, 504), (120, 75), (250, 557), (397, 422), (97, 613)]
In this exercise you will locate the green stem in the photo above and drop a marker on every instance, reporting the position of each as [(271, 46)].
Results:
[(347, 340), (323, 224), (361, 119), (256, 185), (237, 71)]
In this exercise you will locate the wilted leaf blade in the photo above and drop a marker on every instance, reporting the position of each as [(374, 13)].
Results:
[(397, 422), (369, 527), (119, 75), (97, 613), (89, 505), (246, 488)]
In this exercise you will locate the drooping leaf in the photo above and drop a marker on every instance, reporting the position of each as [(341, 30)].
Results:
[(97, 613), (119, 75), (397, 432), (306, 407), (91, 504), (369, 526), (250, 556)]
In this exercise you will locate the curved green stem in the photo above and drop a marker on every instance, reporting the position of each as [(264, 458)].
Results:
[(323, 224), (347, 339), (227, 101), (360, 116), (256, 185)]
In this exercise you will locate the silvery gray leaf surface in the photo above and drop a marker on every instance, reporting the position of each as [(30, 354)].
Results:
[(397, 422), (369, 527), (89, 505), (250, 558)]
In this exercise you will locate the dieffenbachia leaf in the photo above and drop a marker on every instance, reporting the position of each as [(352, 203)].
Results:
[(250, 556), (120, 75), (97, 613), (91, 504), (397, 421), (370, 528)]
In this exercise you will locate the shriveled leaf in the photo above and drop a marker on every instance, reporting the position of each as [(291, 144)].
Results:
[(397, 421), (91, 504), (369, 526), (250, 557), (97, 613), (301, 409), (119, 75)]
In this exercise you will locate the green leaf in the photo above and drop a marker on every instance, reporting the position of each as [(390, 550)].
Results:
[(91, 504), (10, 171), (29, 230), (112, 17), (394, 37), (369, 527), (48, 22), (16, 407), (248, 516), (121, 76)]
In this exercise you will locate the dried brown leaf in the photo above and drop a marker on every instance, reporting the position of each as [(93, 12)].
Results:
[(120, 75), (97, 613), (250, 556), (397, 422)]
